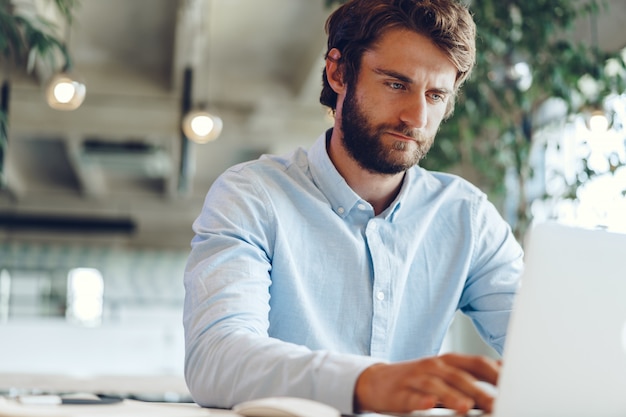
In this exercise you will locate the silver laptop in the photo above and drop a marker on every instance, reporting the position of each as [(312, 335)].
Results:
[(565, 353)]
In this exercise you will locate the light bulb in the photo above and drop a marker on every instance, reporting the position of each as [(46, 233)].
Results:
[(598, 122), (65, 92), (201, 126)]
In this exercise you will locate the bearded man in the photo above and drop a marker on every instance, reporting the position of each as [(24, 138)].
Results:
[(333, 273)]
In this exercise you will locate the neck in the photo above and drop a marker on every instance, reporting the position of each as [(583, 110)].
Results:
[(377, 189)]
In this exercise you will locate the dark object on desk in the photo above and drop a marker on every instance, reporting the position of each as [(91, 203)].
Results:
[(46, 399), (101, 399)]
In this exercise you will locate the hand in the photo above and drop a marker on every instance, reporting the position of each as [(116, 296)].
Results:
[(448, 380)]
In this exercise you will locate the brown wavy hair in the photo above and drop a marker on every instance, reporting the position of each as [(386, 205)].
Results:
[(358, 24)]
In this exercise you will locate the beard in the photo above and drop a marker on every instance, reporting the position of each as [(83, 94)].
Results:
[(364, 144)]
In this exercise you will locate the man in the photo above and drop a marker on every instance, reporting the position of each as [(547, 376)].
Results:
[(334, 273)]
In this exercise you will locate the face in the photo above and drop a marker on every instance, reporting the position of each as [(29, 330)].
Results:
[(389, 118)]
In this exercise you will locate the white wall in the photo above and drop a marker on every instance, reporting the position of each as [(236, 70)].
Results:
[(54, 346)]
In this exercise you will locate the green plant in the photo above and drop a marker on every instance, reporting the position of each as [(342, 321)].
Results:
[(525, 56), (493, 129), (25, 36)]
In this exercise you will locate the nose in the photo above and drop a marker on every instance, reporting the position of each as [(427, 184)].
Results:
[(415, 112)]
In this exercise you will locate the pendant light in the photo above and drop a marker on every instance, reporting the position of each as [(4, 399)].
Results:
[(198, 123), (65, 90), (201, 126)]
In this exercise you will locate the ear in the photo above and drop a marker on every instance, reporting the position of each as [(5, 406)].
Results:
[(334, 71)]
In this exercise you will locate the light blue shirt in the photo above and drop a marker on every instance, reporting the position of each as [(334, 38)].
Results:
[(294, 286)]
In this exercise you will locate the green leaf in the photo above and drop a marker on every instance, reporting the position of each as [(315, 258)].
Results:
[(28, 36), (67, 8)]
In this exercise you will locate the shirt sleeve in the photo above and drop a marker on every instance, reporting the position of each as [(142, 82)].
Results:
[(229, 357), (496, 267)]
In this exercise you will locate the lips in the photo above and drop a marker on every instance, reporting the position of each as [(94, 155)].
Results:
[(403, 137)]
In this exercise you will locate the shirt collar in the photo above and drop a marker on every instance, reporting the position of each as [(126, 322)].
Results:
[(409, 177), (339, 194), (341, 197)]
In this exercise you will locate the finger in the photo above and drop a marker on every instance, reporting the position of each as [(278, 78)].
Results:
[(463, 382), (486, 397), (419, 401), (480, 390), (480, 367), (446, 393)]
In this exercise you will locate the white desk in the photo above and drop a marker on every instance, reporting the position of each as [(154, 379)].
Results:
[(171, 385), (156, 386), (130, 408)]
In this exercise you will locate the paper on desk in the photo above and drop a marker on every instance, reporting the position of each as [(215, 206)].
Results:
[(130, 408)]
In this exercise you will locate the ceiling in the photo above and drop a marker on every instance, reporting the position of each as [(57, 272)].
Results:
[(115, 170)]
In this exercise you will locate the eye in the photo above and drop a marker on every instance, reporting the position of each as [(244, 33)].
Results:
[(437, 97), (396, 85)]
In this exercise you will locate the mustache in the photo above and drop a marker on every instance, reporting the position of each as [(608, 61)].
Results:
[(404, 130)]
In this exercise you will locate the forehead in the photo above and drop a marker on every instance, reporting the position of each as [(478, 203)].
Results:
[(411, 54)]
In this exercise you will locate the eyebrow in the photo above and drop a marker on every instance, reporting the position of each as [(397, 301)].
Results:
[(405, 79)]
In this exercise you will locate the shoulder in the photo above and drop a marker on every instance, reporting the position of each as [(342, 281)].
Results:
[(268, 179), (267, 169), (271, 165)]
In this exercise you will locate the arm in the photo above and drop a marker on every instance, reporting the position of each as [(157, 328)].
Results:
[(229, 355), (493, 281)]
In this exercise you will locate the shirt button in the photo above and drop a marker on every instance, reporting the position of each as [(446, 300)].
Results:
[(380, 295), (362, 206), (372, 226), (340, 210)]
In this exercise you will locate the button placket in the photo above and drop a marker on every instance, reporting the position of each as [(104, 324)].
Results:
[(380, 286)]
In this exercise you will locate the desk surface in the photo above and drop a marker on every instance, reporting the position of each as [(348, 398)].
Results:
[(114, 384), (118, 385), (130, 408)]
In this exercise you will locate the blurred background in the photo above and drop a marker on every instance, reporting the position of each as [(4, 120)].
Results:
[(97, 202)]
